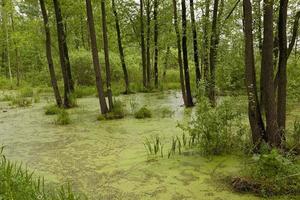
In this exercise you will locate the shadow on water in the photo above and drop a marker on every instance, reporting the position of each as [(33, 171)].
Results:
[(107, 159)]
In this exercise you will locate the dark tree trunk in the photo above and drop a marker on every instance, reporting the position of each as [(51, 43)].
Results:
[(97, 67), (121, 50), (254, 113), (272, 129), (166, 63), (143, 49), (294, 34), (179, 50), (62, 54), (49, 55), (155, 43), (148, 56), (195, 43), (106, 52), (213, 53), (189, 97)]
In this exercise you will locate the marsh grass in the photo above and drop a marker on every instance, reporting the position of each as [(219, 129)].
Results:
[(21, 101), (143, 113), (63, 118), (52, 110), (154, 147)]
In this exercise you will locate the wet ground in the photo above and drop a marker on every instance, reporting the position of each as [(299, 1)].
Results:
[(107, 159)]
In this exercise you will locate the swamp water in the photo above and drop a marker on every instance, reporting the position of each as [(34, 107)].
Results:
[(107, 159)]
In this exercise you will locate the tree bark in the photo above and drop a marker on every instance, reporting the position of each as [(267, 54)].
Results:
[(155, 13), (272, 129), (148, 56), (143, 50), (195, 43), (97, 67), (106, 52), (189, 97), (121, 50), (254, 113), (62, 54), (294, 34), (49, 54), (179, 50)]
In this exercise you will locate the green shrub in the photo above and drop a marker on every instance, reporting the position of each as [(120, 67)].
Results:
[(117, 111), (218, 130), (270, 173), (296, 136), (26, 92), (73, 100), (101, 118), (52, 110), (143, 113), (63, 118)]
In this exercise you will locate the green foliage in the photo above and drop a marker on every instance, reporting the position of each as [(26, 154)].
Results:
[(18, 182), (218, 130), (101, 118), (296, 135), (73, 100), (7, 97), (26, 92), (117, 112), (52, 110), (274, 173), (166, 112), (63, 118), (84, 91), (21, 101), (143, 113), (154, 146)]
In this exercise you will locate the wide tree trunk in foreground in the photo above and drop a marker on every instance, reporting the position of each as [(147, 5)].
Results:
[(254, 113), (49, 54), (272, 129), (155, 13), (106, 52), (120, 46), (179, 50), (143, 49), (62, 54), (195, 43), (189, 98), (97, 67)]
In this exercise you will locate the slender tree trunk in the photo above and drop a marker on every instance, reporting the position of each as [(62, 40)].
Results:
[(143, 49), (206, 46), (254, 113), (166, 63), (283, 55), (272, 130), (189, 97), (121, 50), (63, 61), (294, 34), (180, 63), (213, 53), (106, 52), (195, 43), (97, 67), (155, 43), (148, 56), (49, 55)]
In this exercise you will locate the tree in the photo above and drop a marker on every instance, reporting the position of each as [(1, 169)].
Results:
[(64, 59), (97, 67), (179, 51), (195, 43), (49, 54), (106, 52), (121, 50), (254, 113), (189, 98), (272, 129), (143, 50), (155, 12)]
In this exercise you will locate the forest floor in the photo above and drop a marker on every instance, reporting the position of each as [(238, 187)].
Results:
[(108, 160)]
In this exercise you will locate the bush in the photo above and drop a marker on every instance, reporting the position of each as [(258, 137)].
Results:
[(216, 131), (270, 173), (143, 113), (116, 113), (63, 118), (52, 110)]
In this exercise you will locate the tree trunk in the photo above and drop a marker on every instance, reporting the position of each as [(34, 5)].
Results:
[(155, 43), (294, 34), (143, 50), (166, 63), (189, 97), (254, 113), (178, 39), (272, 130), (106, 52), (213, 54), (195, 43), (49, 55), (148, 56), (97, 67), (121, 50), (62, 55)]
